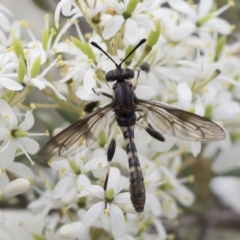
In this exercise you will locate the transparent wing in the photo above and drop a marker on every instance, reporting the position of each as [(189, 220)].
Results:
[(76, 137), (182, 124)]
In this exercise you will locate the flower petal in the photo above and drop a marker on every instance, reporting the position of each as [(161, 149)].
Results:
[(29, 144), (219, 24), (117, 221), (204, 7), (7, 156), (21, 170), (131, 34), (73, 230), (4, 133), (16, 187), (27, 122), (10, 84), (154, 205), (92, 215), (122, 198), (144, 92), (62, 186), (96, 190), (181, 32), (228, 190), (7, 112), (112, 27), (184, 94)]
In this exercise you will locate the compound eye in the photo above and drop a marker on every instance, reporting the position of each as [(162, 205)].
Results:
[(128, 73), (111, 76)]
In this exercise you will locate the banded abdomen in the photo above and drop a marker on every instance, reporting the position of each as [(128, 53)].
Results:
[(137, 188)]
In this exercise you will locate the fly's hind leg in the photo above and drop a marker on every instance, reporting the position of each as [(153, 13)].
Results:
[(110, 154), (102, 93), (152, 132)]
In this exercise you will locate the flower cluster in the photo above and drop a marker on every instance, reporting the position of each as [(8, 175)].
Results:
[(190, 66)]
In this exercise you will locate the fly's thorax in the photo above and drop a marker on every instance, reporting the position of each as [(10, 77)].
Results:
[(119, 75)]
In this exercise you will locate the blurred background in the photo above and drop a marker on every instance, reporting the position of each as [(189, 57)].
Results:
[(208, 218)]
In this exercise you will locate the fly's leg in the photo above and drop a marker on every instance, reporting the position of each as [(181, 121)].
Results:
[(110, 154), (145, 67), (102, 93), (152, 132)]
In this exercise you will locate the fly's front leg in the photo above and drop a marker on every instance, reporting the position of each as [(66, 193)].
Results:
[(110, 154), (145, 67), (102, 93)]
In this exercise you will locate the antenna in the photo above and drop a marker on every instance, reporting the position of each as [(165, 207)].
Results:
[(119, 65), (137, 46), (98, 47)]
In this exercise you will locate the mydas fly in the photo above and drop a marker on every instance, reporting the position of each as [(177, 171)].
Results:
[(126, 106)]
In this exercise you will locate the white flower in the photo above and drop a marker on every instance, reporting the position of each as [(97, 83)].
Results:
[(132, 23), (202, 15), (7, 75), (64, 6), (39, 81), (228, 190), (15, 135), (115, 213)]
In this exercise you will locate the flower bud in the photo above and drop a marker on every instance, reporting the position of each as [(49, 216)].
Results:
[(153, 36), (132, 4), (72, 230), (36, 67), (130, 58), (18, 49), (220, 46), (21, 69), (45, 37), (84, 47), (16, 187)]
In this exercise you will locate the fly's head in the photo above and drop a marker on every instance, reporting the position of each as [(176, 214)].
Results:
[(119, 75)]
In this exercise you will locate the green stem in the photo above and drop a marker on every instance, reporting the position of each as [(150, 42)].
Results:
[(46, 106), (22, 96), (61, 103)]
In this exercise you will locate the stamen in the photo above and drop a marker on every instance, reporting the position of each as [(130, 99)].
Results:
[(6, 145), (26, 153)]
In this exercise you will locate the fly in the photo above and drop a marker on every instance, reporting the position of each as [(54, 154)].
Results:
[(125, 106)]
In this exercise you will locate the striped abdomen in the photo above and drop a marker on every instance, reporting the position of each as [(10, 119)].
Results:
[(137, 188)]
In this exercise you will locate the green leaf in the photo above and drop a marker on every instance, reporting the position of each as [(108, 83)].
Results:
[(36, 67), (21, 69), (69, 116)]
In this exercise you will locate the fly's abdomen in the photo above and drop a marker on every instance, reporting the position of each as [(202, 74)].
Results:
[(137, 188)]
